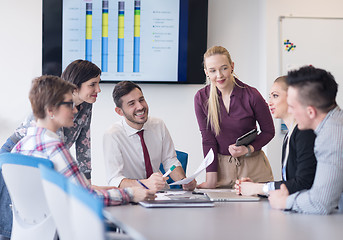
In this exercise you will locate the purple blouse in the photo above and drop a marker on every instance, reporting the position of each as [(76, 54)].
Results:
[(246, 107)]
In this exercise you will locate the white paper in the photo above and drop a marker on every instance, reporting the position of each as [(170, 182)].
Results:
[(168, 195), (205, 163)]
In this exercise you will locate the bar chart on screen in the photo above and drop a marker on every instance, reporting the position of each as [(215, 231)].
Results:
[(128, 39)]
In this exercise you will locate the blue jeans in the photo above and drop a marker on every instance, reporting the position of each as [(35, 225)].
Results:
[(340, 204), (5, 200), (5, 209)]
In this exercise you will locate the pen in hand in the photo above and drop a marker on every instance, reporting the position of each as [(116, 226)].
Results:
[(169, 171), (142, 184)]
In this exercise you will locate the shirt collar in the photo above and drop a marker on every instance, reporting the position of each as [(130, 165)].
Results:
[(130, 130), (238, 89), (322, 123), (83, 108), (33, 131)]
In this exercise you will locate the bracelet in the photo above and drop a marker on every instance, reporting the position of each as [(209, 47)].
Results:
[(265, 189), (249, 151)]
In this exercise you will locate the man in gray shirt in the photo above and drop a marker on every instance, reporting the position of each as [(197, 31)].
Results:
[(312, 100)]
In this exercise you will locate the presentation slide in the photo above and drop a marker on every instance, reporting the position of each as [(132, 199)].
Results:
[(134, 40)]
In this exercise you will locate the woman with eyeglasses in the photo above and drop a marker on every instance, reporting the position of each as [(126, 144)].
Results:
[(53, 107), (86, 76)]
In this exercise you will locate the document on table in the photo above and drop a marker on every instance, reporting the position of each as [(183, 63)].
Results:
[(169, 195), (205, 163)]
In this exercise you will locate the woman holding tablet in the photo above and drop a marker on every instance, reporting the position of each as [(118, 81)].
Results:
[(298, 160), (226, 109)]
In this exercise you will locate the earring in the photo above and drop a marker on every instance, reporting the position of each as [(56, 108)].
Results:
[(52, 116), (208, 78)]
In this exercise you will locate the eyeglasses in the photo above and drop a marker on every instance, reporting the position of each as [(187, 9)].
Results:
[(70, 104)]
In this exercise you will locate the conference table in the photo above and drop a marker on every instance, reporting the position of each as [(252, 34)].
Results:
[(226, 220)]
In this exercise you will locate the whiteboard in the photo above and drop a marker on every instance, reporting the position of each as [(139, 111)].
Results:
[(317, 42)]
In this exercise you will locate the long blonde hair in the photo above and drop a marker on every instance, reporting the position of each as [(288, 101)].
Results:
[(213, 118)]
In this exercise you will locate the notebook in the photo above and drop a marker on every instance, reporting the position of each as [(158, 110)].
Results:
[(177, 203), (230, 197)]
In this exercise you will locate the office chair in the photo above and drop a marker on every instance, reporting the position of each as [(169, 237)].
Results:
[(55, 187), (31, 215), (183, 158), (86, 215)]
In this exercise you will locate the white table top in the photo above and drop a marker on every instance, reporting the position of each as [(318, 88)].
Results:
[(230, 220)]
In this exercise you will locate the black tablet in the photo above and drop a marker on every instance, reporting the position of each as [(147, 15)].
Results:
[(247, 138)]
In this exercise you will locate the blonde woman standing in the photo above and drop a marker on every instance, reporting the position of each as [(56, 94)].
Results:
[(227, 108)]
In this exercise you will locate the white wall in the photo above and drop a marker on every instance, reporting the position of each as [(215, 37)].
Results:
[(274, 9), (247, 28), (20, 59)]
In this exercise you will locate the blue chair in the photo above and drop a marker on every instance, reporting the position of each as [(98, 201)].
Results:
[(76, 212), (183, 158), (31, 215), (86, 216), (55, 187)]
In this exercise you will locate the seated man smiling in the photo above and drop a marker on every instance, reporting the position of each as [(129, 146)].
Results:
[(135, 147)]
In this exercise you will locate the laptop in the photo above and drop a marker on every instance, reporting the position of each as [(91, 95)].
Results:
[(230, 197)]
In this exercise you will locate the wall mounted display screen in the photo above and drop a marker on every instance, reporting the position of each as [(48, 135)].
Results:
[(153, 41)]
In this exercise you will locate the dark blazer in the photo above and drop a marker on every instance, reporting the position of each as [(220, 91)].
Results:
[(301, 163)]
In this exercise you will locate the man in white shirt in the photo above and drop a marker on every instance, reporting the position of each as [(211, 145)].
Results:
[(133, 158)]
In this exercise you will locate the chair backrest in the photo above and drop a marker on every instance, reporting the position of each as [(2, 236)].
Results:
[(78, 214), (55, 187), (86, 214), (31, 215), (183, 158)]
